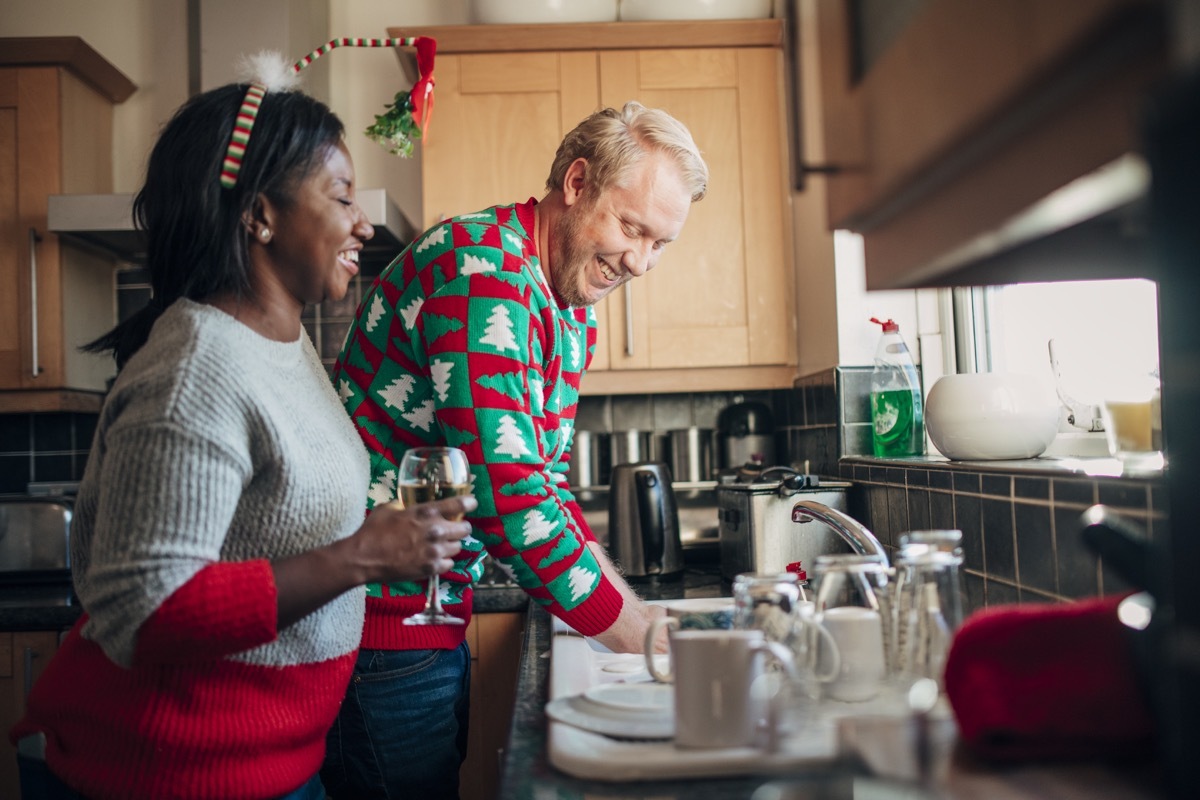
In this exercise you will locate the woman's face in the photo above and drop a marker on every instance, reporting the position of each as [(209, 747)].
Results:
[(316, 239)]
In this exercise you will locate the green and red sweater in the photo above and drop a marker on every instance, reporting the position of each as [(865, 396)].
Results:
[(461, 342)]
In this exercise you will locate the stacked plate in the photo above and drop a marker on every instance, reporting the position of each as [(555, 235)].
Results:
[(622, 710)]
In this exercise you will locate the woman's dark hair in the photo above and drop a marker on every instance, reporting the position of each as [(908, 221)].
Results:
[(196, 235)]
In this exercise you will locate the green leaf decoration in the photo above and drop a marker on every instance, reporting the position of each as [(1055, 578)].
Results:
[(456, 437), (439, 325), (405, 587), (376, 429), (530, 484), (475, 231), (356, 356), (395, 129)]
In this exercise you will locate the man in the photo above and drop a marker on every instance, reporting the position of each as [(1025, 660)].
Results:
[(477, 336)]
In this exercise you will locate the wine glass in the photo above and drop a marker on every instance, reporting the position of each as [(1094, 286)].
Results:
[(426, 474)]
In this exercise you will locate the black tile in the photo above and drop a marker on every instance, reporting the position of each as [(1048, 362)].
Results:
[(862, 473), (894, 476), (941, 511), (1077, 567), (966, 482), (1029, 595), (15, 432), (1001, 594), (941, 479), (1035, 547), (877, 497), (998, 547), (52, 468), (973, 593), (1158, 499), (879, 474), (918, 510), (129, 277), (997, 485), (52, 432), (824, 406), (793, 407), (897, 498), (1080, 492), (1033, 488), (14, 474), (968, 519), (85, 431), (917, 477), (1126, 494), (79, 461)]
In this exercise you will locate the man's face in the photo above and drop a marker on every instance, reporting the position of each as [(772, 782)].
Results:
[(602, 241)]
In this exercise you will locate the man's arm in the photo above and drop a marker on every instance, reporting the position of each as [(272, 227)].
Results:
[(627, 634)]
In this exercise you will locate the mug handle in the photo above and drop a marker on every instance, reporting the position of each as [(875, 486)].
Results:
[(835, 654), (780, 653), (648, 648)]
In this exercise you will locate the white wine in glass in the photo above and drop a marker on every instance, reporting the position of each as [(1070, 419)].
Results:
[(427, 474)]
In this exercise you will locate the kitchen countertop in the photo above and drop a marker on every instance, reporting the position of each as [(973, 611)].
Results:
[(527, 773)]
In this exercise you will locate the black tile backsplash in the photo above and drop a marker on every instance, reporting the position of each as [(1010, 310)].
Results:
[(50, 447)]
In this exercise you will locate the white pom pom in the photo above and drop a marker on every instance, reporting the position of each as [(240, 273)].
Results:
[(270, 69)]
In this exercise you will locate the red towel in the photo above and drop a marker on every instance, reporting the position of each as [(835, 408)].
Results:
[(1041, 681)]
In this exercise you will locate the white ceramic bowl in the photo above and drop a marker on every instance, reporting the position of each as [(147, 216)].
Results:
[(633, 10), (521, 12), (989, 416)]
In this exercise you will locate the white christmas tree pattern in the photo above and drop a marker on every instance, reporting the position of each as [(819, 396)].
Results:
[(409, 312), (537, 528), (345, 391), (511, 443), (440, 372), (513, 239), (376, 312), (383, 489), (396, 393), (573, 341), (474, 265), (434, 237), (421, 416), (499, 333), (582, 580)]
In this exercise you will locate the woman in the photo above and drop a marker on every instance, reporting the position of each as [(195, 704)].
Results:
[(218, 541)]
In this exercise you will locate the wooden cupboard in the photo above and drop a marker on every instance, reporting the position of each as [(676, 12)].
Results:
[(56, 101), (948, 123), (495, 642), (718, 312), (23, 656)]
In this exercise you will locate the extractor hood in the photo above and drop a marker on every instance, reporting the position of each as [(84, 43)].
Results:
[(105, 222)]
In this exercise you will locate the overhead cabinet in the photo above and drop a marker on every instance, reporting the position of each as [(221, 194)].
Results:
[(948, 123), (718, 312), (56, 101)]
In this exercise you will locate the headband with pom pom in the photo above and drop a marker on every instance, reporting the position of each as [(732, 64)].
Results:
[(406, 119)]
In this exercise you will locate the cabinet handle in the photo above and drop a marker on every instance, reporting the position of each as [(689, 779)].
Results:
[(628, 320), (33, 298), (30, 655)]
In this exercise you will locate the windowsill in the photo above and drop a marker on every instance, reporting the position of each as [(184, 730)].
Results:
[(1052, 466)]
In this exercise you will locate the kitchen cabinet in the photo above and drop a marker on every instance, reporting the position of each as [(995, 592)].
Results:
[(718, 312), (495, 642), (23, 656), (56, 102), (946, 122)]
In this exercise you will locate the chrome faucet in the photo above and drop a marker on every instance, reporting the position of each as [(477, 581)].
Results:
[(861, 540)]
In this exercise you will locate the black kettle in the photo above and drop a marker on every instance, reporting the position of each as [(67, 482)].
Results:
[(643, 521)]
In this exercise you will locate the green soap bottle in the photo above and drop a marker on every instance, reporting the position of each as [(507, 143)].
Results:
[(897, 415)]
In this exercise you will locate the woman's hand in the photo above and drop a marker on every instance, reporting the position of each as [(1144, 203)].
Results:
[(411, 544)]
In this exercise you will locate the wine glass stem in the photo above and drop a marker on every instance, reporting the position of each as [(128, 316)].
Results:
[(433, 600)]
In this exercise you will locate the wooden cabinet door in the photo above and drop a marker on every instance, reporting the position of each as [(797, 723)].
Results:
[(23, 657), (721, 296), (495, 641)]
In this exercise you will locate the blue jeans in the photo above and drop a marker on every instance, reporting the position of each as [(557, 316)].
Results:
[(402, 729), (39, 783)]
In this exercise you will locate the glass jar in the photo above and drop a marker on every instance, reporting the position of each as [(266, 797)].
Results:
[(853, 607), (927, 601)]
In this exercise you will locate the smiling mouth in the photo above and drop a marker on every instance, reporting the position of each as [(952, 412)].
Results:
[(607, 271), (349, 259)]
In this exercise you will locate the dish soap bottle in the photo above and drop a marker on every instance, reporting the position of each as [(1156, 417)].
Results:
[(897, 415)]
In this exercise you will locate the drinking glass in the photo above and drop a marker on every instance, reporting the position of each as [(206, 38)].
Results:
[(426, 474)]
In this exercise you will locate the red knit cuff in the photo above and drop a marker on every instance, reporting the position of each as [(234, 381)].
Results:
[(597, 613), (226, 607)]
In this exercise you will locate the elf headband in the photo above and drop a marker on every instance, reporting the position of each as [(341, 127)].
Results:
[(407, 117)]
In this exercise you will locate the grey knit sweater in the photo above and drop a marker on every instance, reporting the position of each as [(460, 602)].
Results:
[(215, 445)]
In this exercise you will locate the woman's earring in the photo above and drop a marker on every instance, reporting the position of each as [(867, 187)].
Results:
[(265, 234)]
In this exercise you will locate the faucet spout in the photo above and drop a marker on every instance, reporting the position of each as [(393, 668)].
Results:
[(861, 540)]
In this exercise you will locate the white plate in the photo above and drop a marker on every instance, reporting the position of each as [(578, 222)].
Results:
[(645, 723), (639, 697)]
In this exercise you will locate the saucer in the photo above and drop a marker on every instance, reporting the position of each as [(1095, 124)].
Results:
[(613, 713)]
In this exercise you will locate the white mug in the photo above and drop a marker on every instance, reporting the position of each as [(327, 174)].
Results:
[(858, 632), (714, 672)]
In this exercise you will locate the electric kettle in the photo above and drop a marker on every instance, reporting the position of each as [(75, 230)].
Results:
[(643, 521)]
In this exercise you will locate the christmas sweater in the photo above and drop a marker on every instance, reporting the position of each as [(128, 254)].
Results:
[(461, 342), (217, 451)]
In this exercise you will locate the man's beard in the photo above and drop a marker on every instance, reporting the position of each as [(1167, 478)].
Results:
[(569, 261)]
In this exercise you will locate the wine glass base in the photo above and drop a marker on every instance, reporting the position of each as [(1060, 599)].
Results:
[(433, 619)]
